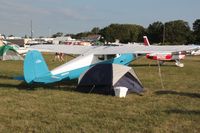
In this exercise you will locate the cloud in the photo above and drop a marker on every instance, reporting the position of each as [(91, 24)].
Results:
[(16, 15), (25, 10), (71, 14), (11, 8)]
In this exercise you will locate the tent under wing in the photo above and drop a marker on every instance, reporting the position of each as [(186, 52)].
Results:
[(103, 78), (130, 82)]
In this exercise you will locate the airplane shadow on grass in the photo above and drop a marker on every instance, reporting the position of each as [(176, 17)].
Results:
[(63, 85), (70, 86), (166, 92)]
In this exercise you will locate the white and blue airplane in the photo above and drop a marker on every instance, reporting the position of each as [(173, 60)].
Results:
[(36, 70)]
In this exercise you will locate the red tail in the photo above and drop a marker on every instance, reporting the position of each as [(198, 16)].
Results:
[(146, 41)]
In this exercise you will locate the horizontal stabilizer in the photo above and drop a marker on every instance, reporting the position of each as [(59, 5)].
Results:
[(19, 78)]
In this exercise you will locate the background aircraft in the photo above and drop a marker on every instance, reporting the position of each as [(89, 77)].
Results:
[(20, 50), (197, 52), (36, 70), (165, 56)]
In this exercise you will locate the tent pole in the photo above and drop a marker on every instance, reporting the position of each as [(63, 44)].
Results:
[(92, 88)]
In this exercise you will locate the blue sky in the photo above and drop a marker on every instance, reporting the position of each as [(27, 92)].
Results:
[(73, 16)]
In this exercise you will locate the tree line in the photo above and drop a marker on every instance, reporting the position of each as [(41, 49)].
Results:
[(172, 32)]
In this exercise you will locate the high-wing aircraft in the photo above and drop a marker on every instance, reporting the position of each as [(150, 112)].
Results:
[(36, 70), (195, 52), (20, 50), (165, 56)]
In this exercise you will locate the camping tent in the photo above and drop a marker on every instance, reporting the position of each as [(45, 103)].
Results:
[(9, 53), (103, 78)]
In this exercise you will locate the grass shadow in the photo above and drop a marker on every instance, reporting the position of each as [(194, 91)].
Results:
[(5, 77), (166, 92), (184, 112), (151, 65)]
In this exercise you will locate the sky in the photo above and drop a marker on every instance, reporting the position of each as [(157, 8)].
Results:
[(73, 16)]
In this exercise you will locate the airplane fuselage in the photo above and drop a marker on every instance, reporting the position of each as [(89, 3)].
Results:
[(36, 70), (74, 68), (165, 56)]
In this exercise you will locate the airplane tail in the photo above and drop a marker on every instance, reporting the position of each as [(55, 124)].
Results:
[(146, 41), (34, 66)]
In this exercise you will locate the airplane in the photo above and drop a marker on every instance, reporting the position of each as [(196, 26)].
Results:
[(165, 56), (20, 50), (195, 52), (36, 70)]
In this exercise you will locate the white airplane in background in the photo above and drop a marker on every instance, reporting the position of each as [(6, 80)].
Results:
[(20, 50), (165, 56), (195, 52), (36, 70)]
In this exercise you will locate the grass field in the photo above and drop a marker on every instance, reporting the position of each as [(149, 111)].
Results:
[(58, 108)]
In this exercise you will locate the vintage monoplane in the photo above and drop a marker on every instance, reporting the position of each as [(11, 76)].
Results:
[(36, 70)]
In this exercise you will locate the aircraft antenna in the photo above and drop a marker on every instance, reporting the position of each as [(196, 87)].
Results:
[(31, 30)]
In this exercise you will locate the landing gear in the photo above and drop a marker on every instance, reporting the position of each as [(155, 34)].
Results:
[(179, 64), (161, 62)]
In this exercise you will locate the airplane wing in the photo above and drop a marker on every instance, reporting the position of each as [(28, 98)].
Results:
[(67, 49), (108, 50)]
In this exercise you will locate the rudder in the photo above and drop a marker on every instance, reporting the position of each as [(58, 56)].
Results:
[(34, 66), (146, 41)]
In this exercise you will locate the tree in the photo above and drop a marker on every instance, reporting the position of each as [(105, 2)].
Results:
[(95, 30), (196, 31), (25, 36), (82, 34), (69, 34), (58, 34), (107, 33), (124, 32), (177, 32), (155, 32), (11, 36)]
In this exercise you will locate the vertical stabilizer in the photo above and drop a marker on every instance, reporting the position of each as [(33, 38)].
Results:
[(146, 41), (34, 66)]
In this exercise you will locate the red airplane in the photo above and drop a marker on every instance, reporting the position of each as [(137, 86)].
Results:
[(164, 57)]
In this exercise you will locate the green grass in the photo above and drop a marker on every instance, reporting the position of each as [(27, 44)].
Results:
[(58, 108)]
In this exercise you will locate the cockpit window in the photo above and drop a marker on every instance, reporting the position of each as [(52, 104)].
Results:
[(101, 57), (106, 57), (111, 56)]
